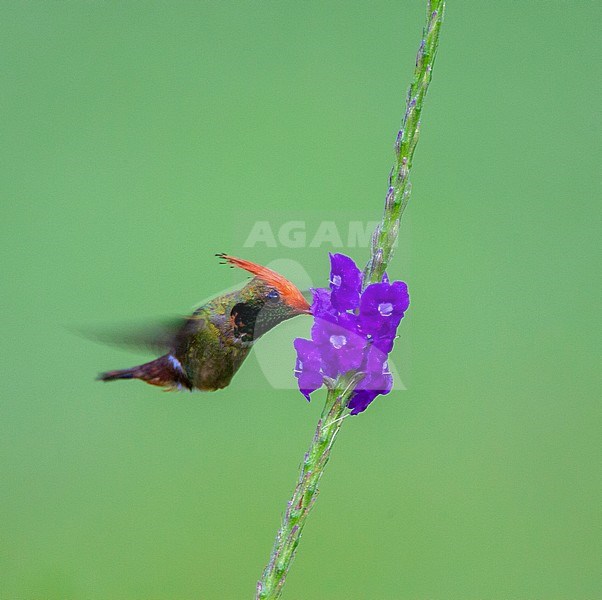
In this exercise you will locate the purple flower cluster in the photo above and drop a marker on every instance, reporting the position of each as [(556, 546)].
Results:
[(352, 331)]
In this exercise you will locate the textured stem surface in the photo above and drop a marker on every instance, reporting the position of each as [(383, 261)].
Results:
[(304, 496), (270, 585), (398, 194)]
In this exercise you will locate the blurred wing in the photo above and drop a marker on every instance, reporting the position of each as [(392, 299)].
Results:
[(152, 338)]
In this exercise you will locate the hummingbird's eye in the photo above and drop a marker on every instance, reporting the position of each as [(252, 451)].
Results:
[(273, 295)]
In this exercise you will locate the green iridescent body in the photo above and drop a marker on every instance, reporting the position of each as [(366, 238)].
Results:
[(219, 336), (207, 348), (209, 351)]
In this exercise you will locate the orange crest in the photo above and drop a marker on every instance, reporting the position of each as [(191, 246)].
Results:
[(289, 292)]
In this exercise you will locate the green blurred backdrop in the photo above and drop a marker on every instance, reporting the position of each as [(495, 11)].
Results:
[(139, 138)]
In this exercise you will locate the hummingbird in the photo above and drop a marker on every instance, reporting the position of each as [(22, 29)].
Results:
[(205, 349)]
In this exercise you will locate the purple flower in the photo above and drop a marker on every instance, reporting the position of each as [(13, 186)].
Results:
[(321, 304), (360, 400), (345, 282), (378, 380), (382, 307), (339, 342), (307, 369), (353, 331)]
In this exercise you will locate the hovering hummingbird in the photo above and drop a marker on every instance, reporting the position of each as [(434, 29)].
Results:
[(207, 348)]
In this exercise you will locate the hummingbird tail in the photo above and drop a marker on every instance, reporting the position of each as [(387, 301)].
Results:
[(118, 374), (165, 371)]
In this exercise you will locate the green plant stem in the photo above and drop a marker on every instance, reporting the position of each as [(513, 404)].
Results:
[(398, 194), (305, 494), (272, 581)]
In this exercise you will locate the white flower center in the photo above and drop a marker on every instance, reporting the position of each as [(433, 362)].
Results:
[(336, 280), (338, 341), (385, 309)]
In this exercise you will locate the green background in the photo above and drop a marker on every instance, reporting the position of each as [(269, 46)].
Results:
[(139, 138)]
